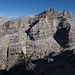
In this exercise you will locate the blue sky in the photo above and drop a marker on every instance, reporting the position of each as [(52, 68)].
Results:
[(31, 7)]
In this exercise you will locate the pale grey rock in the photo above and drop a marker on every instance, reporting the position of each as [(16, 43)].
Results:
[(38, 35), (3, 20)]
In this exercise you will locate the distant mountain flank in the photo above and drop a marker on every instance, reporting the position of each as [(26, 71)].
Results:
[(3, 20)]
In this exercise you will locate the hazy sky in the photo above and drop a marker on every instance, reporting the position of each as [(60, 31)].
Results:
[(30, 7)]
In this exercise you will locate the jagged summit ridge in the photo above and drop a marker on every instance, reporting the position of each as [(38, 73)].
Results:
[(51, 12)]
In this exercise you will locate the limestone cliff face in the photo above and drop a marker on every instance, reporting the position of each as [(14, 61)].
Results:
[(41, 34)]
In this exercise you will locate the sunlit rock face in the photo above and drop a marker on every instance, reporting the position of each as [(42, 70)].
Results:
[(3, 20), (38, 35)]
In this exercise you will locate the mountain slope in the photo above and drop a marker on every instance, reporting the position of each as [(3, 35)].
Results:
[(38, 35)]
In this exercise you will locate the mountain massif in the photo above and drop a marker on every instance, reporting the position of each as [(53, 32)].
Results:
[(46, 39)]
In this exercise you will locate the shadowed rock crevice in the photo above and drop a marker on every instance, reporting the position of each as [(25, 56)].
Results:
[(62, 34), (30, 29)]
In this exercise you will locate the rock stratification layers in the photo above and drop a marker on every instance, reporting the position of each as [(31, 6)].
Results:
[(38, 35)]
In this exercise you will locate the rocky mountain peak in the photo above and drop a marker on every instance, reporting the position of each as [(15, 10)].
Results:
[(48, 12), (66, 14), (36, 36), (51, 13)]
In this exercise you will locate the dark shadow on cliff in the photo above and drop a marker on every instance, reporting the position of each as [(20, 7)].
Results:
[(19, 69), (62, 35), (56, 64), (53, 64), (30, 30)]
